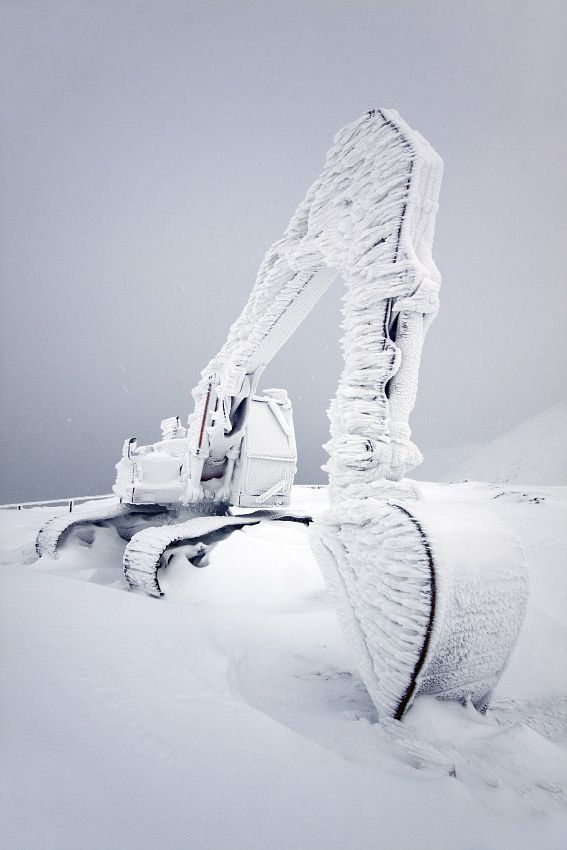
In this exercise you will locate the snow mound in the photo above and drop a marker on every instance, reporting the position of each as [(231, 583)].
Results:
[(534, 453)]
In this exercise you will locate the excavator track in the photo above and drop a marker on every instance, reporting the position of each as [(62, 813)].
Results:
[(90, 513), (144, 555)]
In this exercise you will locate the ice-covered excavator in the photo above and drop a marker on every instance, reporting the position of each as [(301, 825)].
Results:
[(431, 599)]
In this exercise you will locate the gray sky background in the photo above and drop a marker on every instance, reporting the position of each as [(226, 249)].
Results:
[(152, 151)]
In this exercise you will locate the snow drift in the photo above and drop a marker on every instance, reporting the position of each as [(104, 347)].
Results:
[(230, 714)]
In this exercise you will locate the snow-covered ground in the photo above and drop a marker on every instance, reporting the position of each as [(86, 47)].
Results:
[(229, 713)]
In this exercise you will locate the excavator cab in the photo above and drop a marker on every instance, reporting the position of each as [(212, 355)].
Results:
[(153, 474)]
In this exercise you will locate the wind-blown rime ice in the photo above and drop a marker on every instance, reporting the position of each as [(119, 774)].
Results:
[(427, 602), (369, 217), (392, 297)]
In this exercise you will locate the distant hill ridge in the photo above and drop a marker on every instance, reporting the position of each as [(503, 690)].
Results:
[(534, 452)]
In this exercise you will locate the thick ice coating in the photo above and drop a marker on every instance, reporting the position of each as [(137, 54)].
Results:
[(429, 601), (368, 217)]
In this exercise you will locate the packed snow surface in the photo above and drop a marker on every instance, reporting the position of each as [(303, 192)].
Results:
[(229, 713)]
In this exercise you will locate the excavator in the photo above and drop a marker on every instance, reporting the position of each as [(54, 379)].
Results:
[(431, 596)]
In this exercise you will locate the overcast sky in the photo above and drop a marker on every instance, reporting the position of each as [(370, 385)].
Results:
[(153, 150)]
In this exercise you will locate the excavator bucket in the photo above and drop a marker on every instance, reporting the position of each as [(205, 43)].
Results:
[(430, 600)]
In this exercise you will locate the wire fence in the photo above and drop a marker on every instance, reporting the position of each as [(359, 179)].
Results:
[(54, 503), (70, 502)]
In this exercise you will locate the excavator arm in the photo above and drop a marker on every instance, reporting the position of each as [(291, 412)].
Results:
[(368, 217)]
